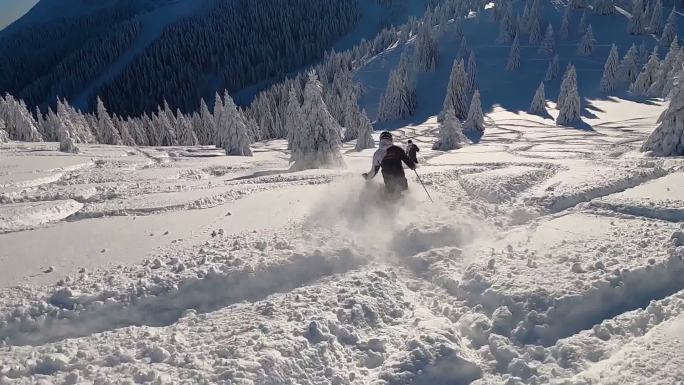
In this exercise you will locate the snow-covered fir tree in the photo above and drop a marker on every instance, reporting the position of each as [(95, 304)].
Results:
[(553, 69), (455, 98), (122, 127), (604, 7), (185, 134), (317, 142), (365, 138), (205, 127), (647, 75), (637, 24), (399, 99), (670, 29), (475, 120), (583, 24), (513, 62), (564, 30), (165, 127), (4, 136), (656, 24), (672, 77), (664, 71), (294, 118), (19, 122), (471, 75), (610, 77), (668, 138), (68, 145), (427, 51), (569, 104), (538, 105), (507, 26), (450, 135), (232, 133), (629, 66), (535, 32), (588, 43), (548, 44)]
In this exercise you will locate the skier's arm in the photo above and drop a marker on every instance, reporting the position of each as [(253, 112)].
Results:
[(375, 167)]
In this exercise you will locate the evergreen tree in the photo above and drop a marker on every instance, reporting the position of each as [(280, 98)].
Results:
[(668, 138), (294, 118), (538, 106), (471, 74), (232, 132), (365, 138), (399, 99), (513, 62), (610, 76), (672, 77), (552, 70), (427, 52), (126, 138), (647, 75), (548, 45), (656, 25), (4, 136), (568, 100), (186, 135), (68, 145), (450, 133), (604, 7), (588, 43), (507, 26), (535, 32), (108, 134), (582, 26), (664, 71), (629, 66), (205, 127), (564, 31), (637, 22), (475, 120), (317, 143), (670, 29), (456, 98)]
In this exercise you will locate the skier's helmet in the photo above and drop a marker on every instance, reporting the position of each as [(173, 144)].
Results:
[(386, 135)]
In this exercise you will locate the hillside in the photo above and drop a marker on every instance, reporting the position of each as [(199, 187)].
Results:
[(181, 50)]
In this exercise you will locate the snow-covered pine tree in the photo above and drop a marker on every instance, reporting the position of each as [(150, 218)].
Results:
[(107, 132), (475, 120), (317, 143), (670, 29), (548, 45), (538, 105), (450, 135), (564, 31), (629, 66), (582, 26), (455, 97), (647, 75), (4, 136), (205, 127), (165, 127), (218, 110), (471, 74), (569, 105), (138, 132), (604, 7), (553, 69), (507, 26), (664, 71), (365, 139), (122, 127), (68, 145), (588, 43), (19, 122), (513, 62), (399, 99), (427, 52), (672, 77), (294, 118), (656, 24), (535, 32), (464, 50), (636, 22), (184, 132), (668, 138), (610, 77), (232, 134)]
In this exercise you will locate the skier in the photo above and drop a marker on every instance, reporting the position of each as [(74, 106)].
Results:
[(412, 150), (389, 157)]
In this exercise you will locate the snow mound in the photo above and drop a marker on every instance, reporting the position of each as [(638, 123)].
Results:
[(23, 216)]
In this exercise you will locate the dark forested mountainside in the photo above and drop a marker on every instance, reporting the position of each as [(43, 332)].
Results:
[(225, 44)]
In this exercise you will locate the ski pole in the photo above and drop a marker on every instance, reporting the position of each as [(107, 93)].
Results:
[(423, 184)]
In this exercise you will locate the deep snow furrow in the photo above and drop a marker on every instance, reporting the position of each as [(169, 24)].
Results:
[(201, 295)]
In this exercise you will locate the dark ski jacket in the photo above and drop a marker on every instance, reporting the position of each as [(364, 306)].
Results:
[(389, 159), (413, 151)]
